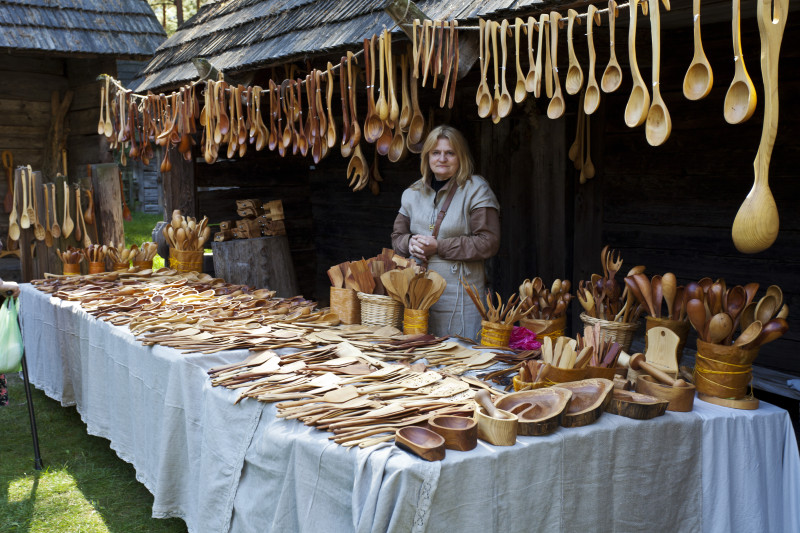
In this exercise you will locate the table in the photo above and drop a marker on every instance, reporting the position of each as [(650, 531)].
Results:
[(225, 467)]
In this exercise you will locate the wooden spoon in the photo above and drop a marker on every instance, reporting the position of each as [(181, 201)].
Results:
[(405, 106), (373, 125), (101, 124), (659, 123), (775, 291), (108, 128), (416, 128), (591, 100), (504, 103), (38, 229), (612, 75), (530, 78), (394, 107), (382, 105), (668, 287), (748, 315), (756, 225), (24, 219), (13, 225), (740, 100), (493, 29), (647, 292), (483, 398), (355, 129), (48, 233), (555, 109), (719, 327), (483, 98), (766, 308), (697, 316), (574, 80), (68, 224), (537, 72), (520, 92), (639, 101), (772, 330), (699, 77), (749, 335), (587, 168)]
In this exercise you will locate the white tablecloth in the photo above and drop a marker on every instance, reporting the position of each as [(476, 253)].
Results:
[(224, 467)]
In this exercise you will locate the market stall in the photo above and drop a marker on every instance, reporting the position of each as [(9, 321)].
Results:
[(227, 466)]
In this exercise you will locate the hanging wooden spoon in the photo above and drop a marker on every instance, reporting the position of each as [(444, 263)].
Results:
[(612, 75), (24, 218), (493, 29), (68, 225), (537, 71), (355, 129), (330, 135), (48, 234), (484, 97), (591, 100), (381, 106), (520, 92), (548, 65), (373, 124), (78, 231), (756, 225), (38, 229), (574, 80), (505, 101), (699, 77), (101, 124), (83, 236), (740, 100), (416, 129), (394, 107), (55, 229), (530, 78), (108, 128), (639, 101), (659, 123), (556, 107)]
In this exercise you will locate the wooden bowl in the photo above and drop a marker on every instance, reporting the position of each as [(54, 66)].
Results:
[(563, 375), (635, 405), (420, 441), (681, 399), (497, 431), (589, 400), (600, 372), (459, 432), (539, 411)]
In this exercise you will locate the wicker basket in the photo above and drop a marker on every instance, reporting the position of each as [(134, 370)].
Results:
[(378, 310), (344, 303), (186, 260), (619, 332), (678, 327), (723, 371), (546, 328), (143, 265), (415, 321), (495, 335), (96, 267), (71, 269)]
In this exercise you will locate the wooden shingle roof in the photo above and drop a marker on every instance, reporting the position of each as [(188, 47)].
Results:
[(249, 34), (125, 28)]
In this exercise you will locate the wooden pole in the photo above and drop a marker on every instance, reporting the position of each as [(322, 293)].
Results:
[(108, 203)]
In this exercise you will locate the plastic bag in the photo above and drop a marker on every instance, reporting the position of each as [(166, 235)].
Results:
[(10, 338)]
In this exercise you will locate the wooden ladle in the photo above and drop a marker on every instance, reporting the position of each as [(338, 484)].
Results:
[(55, 228), (699, 77), (483, 98), (591, 100), (612, 75), (574, 80), (659, 123), (639, 101), (555, 109), (749, 335), (13, 225), (505, 101), (69, 225), (48, 234), (24, 219), (520, 91), (530, 78), (740, 100), (756, 225), (38, 229)]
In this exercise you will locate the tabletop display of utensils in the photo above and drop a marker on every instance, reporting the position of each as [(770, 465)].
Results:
[(185, 233), (603, 297), (545, 303), (654, 293), (367, 275)]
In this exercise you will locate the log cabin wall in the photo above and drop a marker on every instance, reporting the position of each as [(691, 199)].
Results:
[(672, 207)]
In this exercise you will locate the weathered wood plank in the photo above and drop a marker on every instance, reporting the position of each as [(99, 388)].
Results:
[(263, 262)]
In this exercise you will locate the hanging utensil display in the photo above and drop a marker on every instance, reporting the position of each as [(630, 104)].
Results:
[(659, 123), (740, 100), (530, 78), (483, 97), (574, 80), (612, 75), (699, 77), (504, 102), (591, 100), (55, 229), (556, 107), (639, 101)]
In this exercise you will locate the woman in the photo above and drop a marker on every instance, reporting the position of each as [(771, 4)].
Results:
[(468, 229)]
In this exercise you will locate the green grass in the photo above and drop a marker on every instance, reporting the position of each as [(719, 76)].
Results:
[(140, 230), (84, 487)]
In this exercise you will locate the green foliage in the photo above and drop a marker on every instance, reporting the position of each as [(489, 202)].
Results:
[(167, 7), (140, 230), (84, 486)]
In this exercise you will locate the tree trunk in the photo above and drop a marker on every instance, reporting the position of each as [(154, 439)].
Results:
[(179, 11)]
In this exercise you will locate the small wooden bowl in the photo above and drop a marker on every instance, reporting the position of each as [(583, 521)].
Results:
[(564, 375), (420, 441), (681, 399), (459, 432), (636, 405), (600, 372), (589, 400), (497, 431), (539, 410)]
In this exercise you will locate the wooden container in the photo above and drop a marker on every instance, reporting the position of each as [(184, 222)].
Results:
[(346, 304), (459, 432), (564, 375), (72, 269), (420, 441), (679, 327), (495, 335), (497, 431), (143, 265), (546, 328), (186, 260), (723, 371), (96, 267), (415, 321), (681, 399), (589, 399), (619, 332), (379, 310), (120, 267), (539, 411), (635, 405), (601, 372)]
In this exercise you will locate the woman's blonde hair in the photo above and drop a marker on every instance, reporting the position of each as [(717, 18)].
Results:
[(459, 144)]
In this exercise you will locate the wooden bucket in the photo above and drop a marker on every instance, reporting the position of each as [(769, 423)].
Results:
[(186, 260), (678, 327), (546, 328), (379, 310), (96, 267), (723, 371), (415, 321), (346, 305), (619, 332), (495, 335), (72, 269)]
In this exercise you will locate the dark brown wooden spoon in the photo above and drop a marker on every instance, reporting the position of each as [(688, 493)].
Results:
[(697, 316)]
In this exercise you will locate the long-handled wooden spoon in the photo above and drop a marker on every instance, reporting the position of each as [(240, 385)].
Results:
[(483, 98), (639, 101), (659, 123), (699, 77), (612, 75), (68, 224), (48, 234), (520, 93), (530, 78), (591, 100), (55, 228), (24, 219), (740, 100), (504, 103), (574, 80), (555, 109), (537, 72), (38, 229)]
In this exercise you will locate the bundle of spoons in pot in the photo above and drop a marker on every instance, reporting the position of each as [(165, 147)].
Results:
[(652, 294), (72, 256), (146, 252), (415, 290), (542, 303), (562, 361), (185, 233), (503, 313), (602, 297), (365, 275), (717, 313), (96, 253)]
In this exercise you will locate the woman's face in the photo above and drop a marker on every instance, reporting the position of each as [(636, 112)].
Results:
[(443, 160)]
